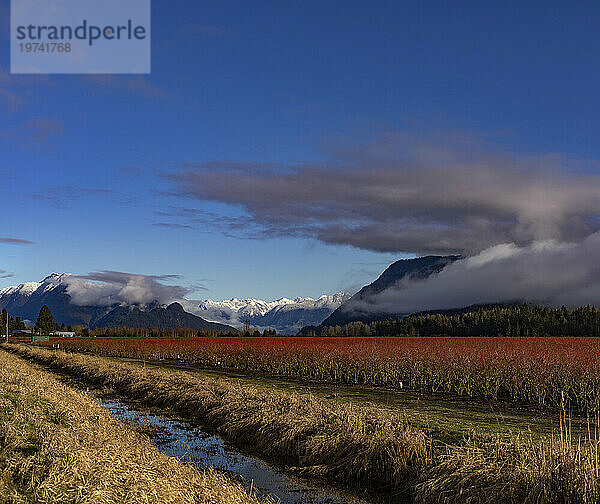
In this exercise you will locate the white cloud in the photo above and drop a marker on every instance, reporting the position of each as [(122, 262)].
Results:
[(550, 273), (106, 288)]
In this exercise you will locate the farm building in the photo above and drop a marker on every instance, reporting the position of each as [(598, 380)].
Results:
[(64, 334), (21, 332)]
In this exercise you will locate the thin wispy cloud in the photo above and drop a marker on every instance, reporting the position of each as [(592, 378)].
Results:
[(199, 287), (10, 98), (15, 241), (37, 133), (38, 130), (240, 227), (16, 90), (63, 196), (6, 274), (171, 225), (131, 170)]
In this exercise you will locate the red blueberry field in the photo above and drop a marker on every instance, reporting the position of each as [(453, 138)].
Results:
[(546, 371)]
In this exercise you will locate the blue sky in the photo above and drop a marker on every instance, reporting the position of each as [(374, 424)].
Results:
[(93, 167)]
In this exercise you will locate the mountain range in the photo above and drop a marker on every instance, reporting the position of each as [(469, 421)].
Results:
[(25, 301), (287, 316)]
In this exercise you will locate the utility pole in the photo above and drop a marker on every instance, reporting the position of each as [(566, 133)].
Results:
[(7, 326)]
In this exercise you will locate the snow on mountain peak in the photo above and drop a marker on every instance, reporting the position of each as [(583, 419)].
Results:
[(25, 289), (284, 314), (29, 288), (56, 278)]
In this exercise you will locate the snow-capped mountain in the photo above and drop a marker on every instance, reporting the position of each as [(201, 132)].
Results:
[(363, 305), (285, 315), (26, 299), (29, 288)]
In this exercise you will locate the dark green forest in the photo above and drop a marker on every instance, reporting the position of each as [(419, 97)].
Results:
[(519, 320), (13, 324)]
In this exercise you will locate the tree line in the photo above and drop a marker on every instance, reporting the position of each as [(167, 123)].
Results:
[(155, 332), (517, 321), (46, 324), (14, 324)]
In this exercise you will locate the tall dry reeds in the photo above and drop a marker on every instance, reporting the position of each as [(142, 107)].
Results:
[(58, 445)]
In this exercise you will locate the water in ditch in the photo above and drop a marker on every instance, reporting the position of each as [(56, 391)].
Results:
[(202, 449)]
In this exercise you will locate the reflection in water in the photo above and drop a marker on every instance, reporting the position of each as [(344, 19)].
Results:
[(204, 450)]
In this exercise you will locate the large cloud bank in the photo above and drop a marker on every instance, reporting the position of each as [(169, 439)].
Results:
[(406, 194), (548, 273)]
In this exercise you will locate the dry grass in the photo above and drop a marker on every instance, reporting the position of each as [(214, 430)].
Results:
[(547, 471), (503, 472), (59, 446), (351, 443), (323, 438)]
